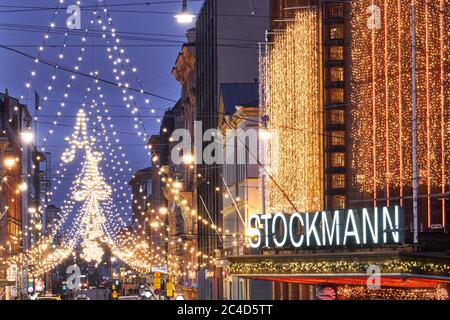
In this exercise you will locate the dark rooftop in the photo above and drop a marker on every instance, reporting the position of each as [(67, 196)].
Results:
[(238, 94)]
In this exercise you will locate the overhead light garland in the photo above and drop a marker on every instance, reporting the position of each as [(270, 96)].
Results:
[(338, 266)]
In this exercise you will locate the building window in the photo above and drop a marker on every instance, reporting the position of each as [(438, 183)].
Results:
[(336, 74), (337, 138), (338, 159), (339, 202), (337, 95), (336, 117), (336, 53), (338, 181), (337, 10), (336, 32)]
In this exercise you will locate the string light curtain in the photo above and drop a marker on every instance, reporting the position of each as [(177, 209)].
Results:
[(381, 103), (293, 105)]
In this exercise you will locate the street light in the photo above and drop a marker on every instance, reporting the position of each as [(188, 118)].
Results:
[(154, 224), (9, 162), (188, 159), (32, 210), (23, 186), (184, 17), (27, 137)]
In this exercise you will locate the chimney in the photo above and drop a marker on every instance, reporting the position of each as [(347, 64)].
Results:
[(6, 101)]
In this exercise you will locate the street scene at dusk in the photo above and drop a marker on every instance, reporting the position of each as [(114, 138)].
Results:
[(224, 150)]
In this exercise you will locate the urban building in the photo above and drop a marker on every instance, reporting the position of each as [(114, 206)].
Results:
[(239, 121), (337, 90), (227, 36), (141, 190), (20, 186), (185, 173)]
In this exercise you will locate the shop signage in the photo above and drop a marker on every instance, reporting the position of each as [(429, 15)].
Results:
[(157, 280), (170, 289), (12, 273), (375, 226), (160, 269), (209, 274)]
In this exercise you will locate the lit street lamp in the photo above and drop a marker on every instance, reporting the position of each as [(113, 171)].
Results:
[(27, 137), (184, 17)]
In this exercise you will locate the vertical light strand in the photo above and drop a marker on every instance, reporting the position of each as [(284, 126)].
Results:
[(374, 123), (427, 68), (400, 100), (386, 85), (442, 97)]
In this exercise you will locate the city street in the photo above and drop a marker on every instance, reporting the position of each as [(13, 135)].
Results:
[(229, 150)]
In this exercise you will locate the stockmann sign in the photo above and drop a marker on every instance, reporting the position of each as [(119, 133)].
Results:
[(376, 226)]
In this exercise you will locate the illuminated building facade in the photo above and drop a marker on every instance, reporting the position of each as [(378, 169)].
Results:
[(19, 164), (344, 121), (350, 119), (380, 89), (311, 168)]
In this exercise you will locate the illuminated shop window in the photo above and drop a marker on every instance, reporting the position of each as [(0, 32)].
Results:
[(336, 32), (337, 10), (336, 116), (338, 181), (337, 74), (339, 202), (337, 138), (337, 95), (336, 53), (338, 159)]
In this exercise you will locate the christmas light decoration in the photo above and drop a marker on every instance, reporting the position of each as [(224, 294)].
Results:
[(293, 101), (363, 293), (387, 265), (381, 104)]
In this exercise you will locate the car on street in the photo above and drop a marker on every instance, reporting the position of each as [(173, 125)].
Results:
[(48, 297)]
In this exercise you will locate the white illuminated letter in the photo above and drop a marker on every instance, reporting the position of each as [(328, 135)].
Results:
[(295, 215), (326, 228), (373, 227), (266, 219), (391, 228), (254, 231), (311, 229), (285, 230), (354, 232)]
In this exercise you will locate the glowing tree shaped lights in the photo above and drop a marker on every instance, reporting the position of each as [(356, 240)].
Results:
[(91, 188)]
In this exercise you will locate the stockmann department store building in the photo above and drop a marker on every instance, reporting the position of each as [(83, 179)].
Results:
[(337, 89), (345, 254)]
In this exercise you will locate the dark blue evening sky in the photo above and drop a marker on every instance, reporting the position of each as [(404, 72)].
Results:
[(154, 61)]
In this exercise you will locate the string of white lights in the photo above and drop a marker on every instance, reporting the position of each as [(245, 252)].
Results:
[(33, 71)]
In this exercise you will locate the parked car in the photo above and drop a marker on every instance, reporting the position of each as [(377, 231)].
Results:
[(129, 298)]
